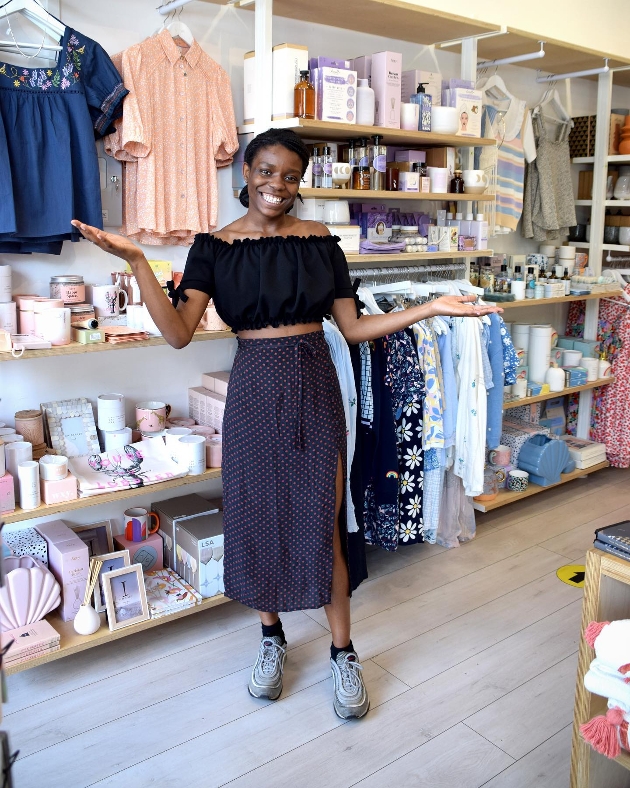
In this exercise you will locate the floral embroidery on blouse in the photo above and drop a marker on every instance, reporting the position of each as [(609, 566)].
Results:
[(42, 78)]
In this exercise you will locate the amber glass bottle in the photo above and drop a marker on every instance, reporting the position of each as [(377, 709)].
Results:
[(304, 98)]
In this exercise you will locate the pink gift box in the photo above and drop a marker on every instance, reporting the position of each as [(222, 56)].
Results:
[(59, 490), (7, 493), (68, 560), (149, 553)]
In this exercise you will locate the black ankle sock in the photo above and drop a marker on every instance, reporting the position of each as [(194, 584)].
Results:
[(274, 629), (334, 651)]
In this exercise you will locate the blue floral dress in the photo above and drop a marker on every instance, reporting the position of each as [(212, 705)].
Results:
[(48, 163)]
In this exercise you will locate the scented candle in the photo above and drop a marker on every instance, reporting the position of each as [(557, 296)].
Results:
[(71, 289)]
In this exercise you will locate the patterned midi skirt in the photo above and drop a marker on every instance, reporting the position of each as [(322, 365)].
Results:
[(284, 430)]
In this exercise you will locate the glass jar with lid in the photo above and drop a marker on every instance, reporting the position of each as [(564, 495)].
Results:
[(70, 288)]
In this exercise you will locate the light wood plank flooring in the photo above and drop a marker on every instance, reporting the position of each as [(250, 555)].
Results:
[(469, 655)]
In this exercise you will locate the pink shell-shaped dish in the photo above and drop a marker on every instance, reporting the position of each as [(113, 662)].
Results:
[(29, 593)]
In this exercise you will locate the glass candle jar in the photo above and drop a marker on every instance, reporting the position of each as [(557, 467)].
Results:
[(71, 289), (361, 178)]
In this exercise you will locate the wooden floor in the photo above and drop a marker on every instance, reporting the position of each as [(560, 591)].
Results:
[(469, 656)]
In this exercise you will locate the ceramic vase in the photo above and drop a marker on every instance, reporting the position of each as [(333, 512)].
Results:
[(87, 621)]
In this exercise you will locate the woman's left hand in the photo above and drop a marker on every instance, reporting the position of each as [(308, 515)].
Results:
[(461, 306)]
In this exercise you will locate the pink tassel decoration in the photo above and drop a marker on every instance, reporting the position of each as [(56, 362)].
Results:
[(602, 732), (592, 631)]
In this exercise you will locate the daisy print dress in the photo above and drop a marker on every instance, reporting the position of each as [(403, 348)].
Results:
[(406, 383)]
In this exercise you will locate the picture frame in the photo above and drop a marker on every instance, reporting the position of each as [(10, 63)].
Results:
[(70, 428), (125, 597), (111, 561), (97, 536)]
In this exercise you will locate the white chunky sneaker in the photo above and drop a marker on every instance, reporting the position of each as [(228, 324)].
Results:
[(350, 696), (266, 678)]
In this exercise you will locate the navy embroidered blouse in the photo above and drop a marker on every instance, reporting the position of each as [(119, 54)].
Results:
[(48, 163), (258, 282)]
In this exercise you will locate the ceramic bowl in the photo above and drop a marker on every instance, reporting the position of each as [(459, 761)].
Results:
[(444, 120), (518, 481)]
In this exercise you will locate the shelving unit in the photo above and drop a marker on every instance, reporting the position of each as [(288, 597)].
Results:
[(71, 643), (607, 203), (506, 497), (19, 515), (615, 159), (604, 247), (75, 348), (407, 257), (361, 194), (556, 300), (606, 598), (595, 384)]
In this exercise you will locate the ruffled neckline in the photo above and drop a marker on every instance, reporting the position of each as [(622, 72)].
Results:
[(273, 239)]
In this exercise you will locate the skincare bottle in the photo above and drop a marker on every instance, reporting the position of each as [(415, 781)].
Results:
[(567, 282), (518, 273), (317, 169), (424, 101), (486, 279), (327, 163), (530, 283), (465, 228), (479, 228), (304, 97), (555, 378), (378, 164), (365, 103), (361, 152)]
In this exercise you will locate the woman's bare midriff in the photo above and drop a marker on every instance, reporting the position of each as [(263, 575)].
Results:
[(282, 331)]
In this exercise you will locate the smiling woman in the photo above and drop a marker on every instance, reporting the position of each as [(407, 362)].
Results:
[(273, 278)]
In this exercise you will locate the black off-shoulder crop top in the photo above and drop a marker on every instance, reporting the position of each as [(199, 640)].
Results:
[(262, 282)]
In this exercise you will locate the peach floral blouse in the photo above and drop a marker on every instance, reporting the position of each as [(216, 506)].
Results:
[(177, 128)]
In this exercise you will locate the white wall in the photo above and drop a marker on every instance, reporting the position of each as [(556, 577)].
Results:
[(163, 373)]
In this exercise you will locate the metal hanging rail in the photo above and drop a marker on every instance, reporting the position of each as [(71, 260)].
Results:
[(590, 72), (507, 61)]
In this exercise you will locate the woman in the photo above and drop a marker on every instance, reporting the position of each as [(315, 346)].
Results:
[(273, 278)]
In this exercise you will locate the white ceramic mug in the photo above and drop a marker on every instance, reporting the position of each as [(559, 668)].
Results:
[(111, 412), (193, 453), (409, 116), (108, 300), (500, 456), (475, 181), (341, 173), (337, 212), (519, 389), (439, 179), (151, 416), (171, 439)]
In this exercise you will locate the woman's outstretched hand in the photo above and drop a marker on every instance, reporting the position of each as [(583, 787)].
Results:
[(461, 306), (109, 242)]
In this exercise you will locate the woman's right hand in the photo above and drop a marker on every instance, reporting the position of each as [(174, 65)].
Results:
[(109, 242)]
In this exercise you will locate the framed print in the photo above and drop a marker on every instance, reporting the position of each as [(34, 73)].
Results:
[(97, 536), (70, 427), (111, 561), (125, 597)]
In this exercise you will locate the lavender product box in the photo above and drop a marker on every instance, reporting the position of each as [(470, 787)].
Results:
[(68, 560), (327, 62)]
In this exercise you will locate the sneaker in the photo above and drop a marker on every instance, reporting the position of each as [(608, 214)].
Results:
[(266, 678), (350, 698)]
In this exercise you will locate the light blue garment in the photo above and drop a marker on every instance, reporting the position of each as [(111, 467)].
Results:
[(343, 365), (510, 359), (449, 394), (485, 359), (494, 424), (433, 483)]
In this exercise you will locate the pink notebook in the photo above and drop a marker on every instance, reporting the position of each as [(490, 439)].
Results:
[(29, 638)]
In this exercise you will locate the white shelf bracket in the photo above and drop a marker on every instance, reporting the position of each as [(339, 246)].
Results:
[(263, 38)]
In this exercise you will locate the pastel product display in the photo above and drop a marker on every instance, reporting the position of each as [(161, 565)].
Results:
[(28, 483), (149, 552), (520, 335), (171, 439), (29, 593), (27, 541), (591, 365), (108, 300), (68, 287), (5, 284), (53, 324), (180, 421), (193, 453), (500, 456), (571, 358), (30, 425), (59, 490), (439, 179), (151, 416), (111, 412), (545, 459), (53, 467), (214, 453), (68, 560), (15, 453), (539, 353), (517, 288), (8, 317), (116, 439), (7, 494), (140, 524), (518, 480)]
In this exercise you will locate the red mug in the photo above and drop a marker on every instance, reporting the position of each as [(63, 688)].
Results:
[(137, 527)]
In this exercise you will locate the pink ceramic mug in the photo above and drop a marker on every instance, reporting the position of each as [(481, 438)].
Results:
[(500, 456), (151, 416)]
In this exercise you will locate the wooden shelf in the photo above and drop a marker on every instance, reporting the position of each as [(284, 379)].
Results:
[(75, 348), (412, 258), (506, 497), (605, 247), (19, 515), (607, 203), (361, 194), (516, 403), (342, 132), (71, 643), (556, 300), (623, 158)]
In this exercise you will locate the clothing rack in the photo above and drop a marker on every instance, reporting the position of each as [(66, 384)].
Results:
[(412, 272)]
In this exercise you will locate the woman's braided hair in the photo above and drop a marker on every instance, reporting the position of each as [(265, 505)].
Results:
[(285, 137)]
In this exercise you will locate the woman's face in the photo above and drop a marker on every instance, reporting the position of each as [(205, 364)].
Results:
[(273, 180), (464, 120)]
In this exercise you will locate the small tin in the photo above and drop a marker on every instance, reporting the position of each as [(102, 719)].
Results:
[(70, 288)]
